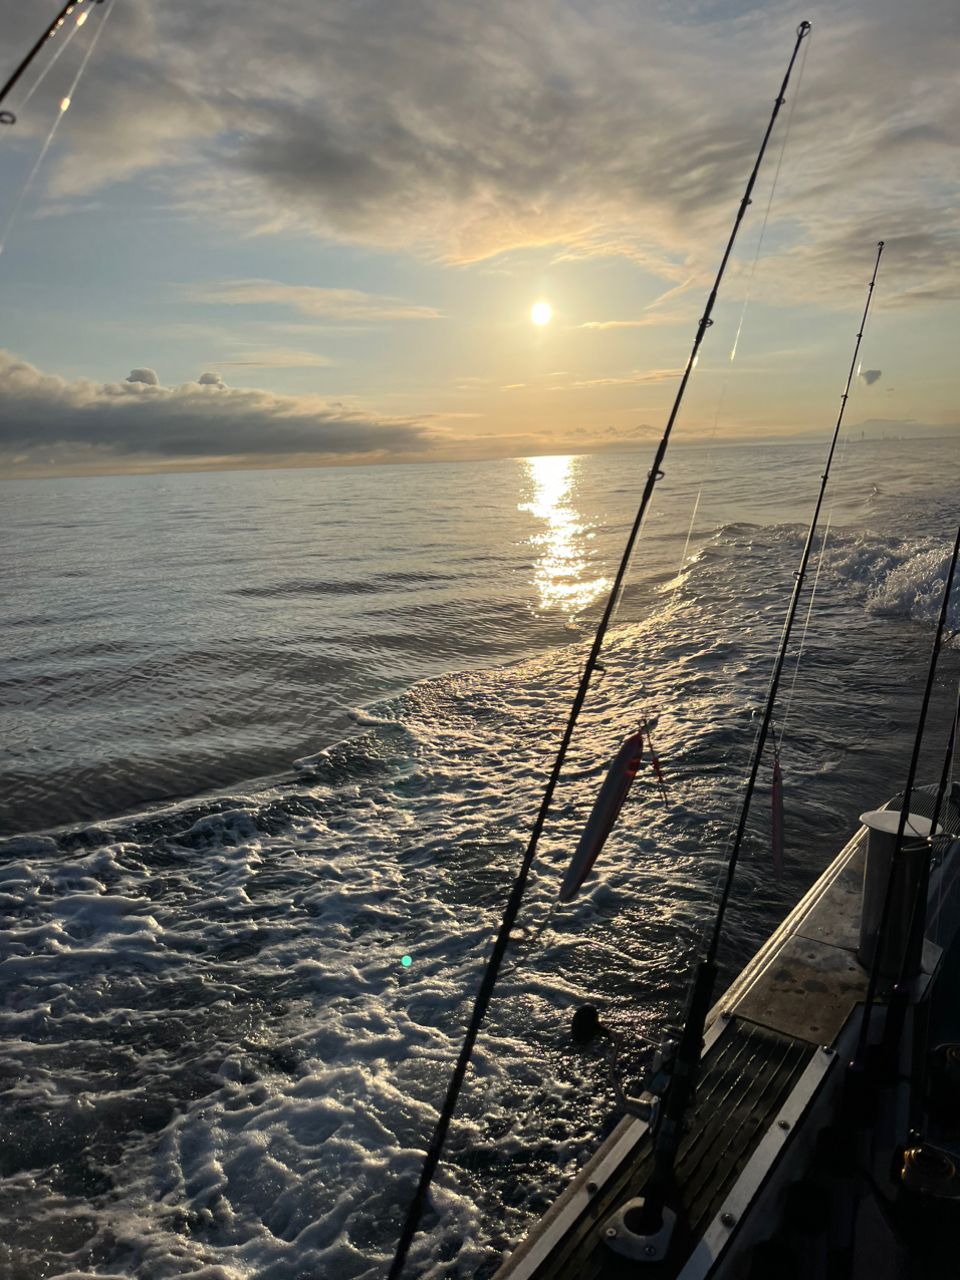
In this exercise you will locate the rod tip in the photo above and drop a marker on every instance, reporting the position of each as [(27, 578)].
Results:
[(803, 29)]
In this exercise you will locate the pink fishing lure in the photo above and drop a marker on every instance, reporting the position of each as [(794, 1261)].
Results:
[(608, 804), (777, 816)]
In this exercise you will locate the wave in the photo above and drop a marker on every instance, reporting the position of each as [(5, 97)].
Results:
[(899, 578), (222, 1063), (374, 585), (892, 576), (915, 588)]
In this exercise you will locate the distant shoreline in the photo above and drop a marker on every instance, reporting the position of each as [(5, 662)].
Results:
[(855, 435)]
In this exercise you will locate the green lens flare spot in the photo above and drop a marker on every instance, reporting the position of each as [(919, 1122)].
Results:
[(406, 961)]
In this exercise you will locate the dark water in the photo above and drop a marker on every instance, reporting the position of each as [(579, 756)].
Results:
[(217, 1064)]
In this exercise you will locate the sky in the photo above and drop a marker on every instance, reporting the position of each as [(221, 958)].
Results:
[(305, 233)]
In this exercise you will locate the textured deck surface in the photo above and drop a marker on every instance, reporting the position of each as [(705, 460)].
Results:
[(812, 982), (798, 992), (747, 1074)]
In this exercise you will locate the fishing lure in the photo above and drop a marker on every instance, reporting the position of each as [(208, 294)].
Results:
[(604, 814), (777, 815)]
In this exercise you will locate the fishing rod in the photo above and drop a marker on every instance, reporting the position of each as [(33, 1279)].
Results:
[(899, 997), (8, 117), (919, 1075), (680, 1088), (859, 1060), (512, 908), (948, 759)]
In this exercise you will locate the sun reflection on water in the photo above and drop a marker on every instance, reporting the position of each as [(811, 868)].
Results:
[(561, 566)]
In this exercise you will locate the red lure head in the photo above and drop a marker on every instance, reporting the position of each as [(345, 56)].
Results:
[(633, 764)]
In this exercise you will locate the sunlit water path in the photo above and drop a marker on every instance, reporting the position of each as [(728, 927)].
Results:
[(215, 1062)]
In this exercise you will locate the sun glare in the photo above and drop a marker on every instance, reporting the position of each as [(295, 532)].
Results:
[(541, 313), (562, 567)]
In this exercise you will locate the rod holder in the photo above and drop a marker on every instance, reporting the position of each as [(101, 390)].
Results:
[(901, 951)]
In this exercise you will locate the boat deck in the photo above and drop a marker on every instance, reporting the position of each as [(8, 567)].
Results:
[(772, 1044), (748, 1074)]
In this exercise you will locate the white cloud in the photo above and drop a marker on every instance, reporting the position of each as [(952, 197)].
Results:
[(629, 379), (348, 305), (463, 131), (148, 377), (653, 320), (278, 358)]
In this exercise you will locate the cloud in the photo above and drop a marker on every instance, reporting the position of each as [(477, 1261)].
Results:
[(150, 117), (148, 377), (43, 417), (465, 131), (920, 264), (350, 305), (279, 358), (870, 376), (632, 379), (644, 322), (211, 380), (629, 379)]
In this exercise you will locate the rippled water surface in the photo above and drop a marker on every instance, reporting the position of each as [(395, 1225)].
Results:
[(214, 1062)]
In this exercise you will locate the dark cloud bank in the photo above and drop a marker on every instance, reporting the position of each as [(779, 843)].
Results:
[(203, 419)]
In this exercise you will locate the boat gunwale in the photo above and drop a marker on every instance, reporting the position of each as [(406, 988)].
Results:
[(574, 1200)]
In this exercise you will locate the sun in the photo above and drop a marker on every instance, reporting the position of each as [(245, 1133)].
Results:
[(541, 313)]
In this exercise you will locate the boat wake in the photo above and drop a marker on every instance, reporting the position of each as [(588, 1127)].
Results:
[(231, 1020)]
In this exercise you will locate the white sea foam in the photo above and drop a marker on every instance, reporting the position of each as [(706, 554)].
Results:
[(217, 1065), (914, 588)]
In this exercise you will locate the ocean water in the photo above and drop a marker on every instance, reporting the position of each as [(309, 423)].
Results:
[(265, 734)]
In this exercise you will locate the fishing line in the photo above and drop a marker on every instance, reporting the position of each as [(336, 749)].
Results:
[(743, 309), (748, 294), (825, 537), (48, 67), (820, 561), (9, 117), (787, 627), (65, 103), (645, 734), (708, 466), (723, 860), (773, 188), (531, 944), (824, 542), (680, 1087), (512, 907), (821, 556), (714, 430), (755, 749)]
